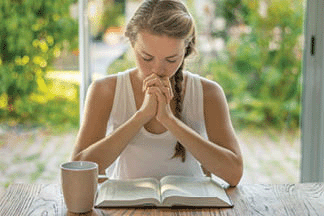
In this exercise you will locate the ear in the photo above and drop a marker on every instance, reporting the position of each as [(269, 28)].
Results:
[(132, 43), (188, 50), (188, 45)]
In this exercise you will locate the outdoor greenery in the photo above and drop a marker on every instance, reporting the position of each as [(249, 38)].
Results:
[(113, 16), (32, 35), (56, 108), (260, 70), (126, 61)]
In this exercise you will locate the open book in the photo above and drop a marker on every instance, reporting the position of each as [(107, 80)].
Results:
[(169, 191)]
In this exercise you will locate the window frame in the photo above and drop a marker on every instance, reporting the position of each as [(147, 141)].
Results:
[(312, 116), (84, 57)]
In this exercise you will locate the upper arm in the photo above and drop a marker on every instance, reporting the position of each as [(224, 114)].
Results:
[(217, 117), (98, 105)]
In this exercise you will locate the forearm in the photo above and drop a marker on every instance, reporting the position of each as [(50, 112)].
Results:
[(215, 158), (106, 150)]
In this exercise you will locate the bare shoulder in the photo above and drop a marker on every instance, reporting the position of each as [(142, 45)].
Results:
[(216, 109), (217, 116), (100, 98), (105, 87), (103, 90), (212, 91)]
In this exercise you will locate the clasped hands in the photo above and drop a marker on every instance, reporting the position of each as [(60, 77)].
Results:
[(158, 94)]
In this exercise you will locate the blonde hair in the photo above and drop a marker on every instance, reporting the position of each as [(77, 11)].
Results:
[(168, 18)]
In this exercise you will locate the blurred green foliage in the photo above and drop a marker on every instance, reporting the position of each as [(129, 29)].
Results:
[(260, 69), (261, 73), (113, 16), (57, 108), (124, 62), (32, 35)]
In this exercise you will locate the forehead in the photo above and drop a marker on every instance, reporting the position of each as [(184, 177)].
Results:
[(159, 45)]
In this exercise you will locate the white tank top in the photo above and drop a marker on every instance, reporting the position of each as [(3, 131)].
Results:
[(148, 154)]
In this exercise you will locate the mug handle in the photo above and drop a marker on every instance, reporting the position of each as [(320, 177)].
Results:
[(102, 178)]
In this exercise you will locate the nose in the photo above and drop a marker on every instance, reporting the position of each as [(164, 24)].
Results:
[(158, 68)]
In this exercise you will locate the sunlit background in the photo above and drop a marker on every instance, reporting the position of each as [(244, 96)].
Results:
[(252, 48)]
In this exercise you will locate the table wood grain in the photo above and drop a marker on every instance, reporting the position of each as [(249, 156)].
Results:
[(254, 199)]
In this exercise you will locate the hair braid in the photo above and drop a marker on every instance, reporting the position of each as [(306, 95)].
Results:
[(176, 81)]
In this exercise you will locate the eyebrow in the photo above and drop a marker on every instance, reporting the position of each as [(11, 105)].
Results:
[(165, 57)]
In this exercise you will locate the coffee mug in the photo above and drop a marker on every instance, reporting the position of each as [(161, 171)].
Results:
[(79, 181)]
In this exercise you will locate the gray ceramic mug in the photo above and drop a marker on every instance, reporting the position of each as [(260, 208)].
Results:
[(79, 181)]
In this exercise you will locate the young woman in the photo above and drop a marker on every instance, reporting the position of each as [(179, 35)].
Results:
[(157, 119)]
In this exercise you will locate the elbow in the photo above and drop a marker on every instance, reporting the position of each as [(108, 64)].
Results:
[(237, 173), (236, 178), (232, 173), (77, 157)]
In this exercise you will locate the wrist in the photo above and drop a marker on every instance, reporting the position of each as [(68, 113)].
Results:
[(141, 118), (169, 121)]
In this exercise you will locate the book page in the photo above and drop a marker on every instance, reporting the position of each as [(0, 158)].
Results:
[(128, 190), (200, 188)]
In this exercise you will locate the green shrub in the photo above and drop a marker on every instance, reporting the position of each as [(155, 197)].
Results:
[(113, 16), (32, 35), (261, 77), (57, 108), (123, 63)]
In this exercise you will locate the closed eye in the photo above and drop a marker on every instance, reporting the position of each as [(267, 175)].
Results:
[(171, 61), (151, 58), (147, 59)]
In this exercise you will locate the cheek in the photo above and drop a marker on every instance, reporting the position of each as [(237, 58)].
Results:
[(143, 66), (172, 69)]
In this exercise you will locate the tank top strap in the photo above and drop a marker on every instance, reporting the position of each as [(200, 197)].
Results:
[(193, 104), (124, 103)]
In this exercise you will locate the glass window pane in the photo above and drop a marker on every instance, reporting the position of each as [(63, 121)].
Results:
[(254, 49)]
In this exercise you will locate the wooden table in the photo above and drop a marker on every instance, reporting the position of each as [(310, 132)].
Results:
[(254, 199)]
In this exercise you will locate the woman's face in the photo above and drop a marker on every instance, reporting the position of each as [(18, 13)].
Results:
[(157, 54)]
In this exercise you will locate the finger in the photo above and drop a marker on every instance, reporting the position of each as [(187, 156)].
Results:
[(148, 79), (171, 93), (163, 94), (145, 80), (150, 90), (155, 90), (168, 93), (152, 76), (160, 96), (153, 82), (151, 93), (166, 82)]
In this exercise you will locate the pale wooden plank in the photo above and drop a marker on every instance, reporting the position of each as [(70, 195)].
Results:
[(157, 211), (49, 201), (32, 199), (283, 199), (19, 195)]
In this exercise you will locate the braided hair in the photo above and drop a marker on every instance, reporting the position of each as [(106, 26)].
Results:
[(176, 83)]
